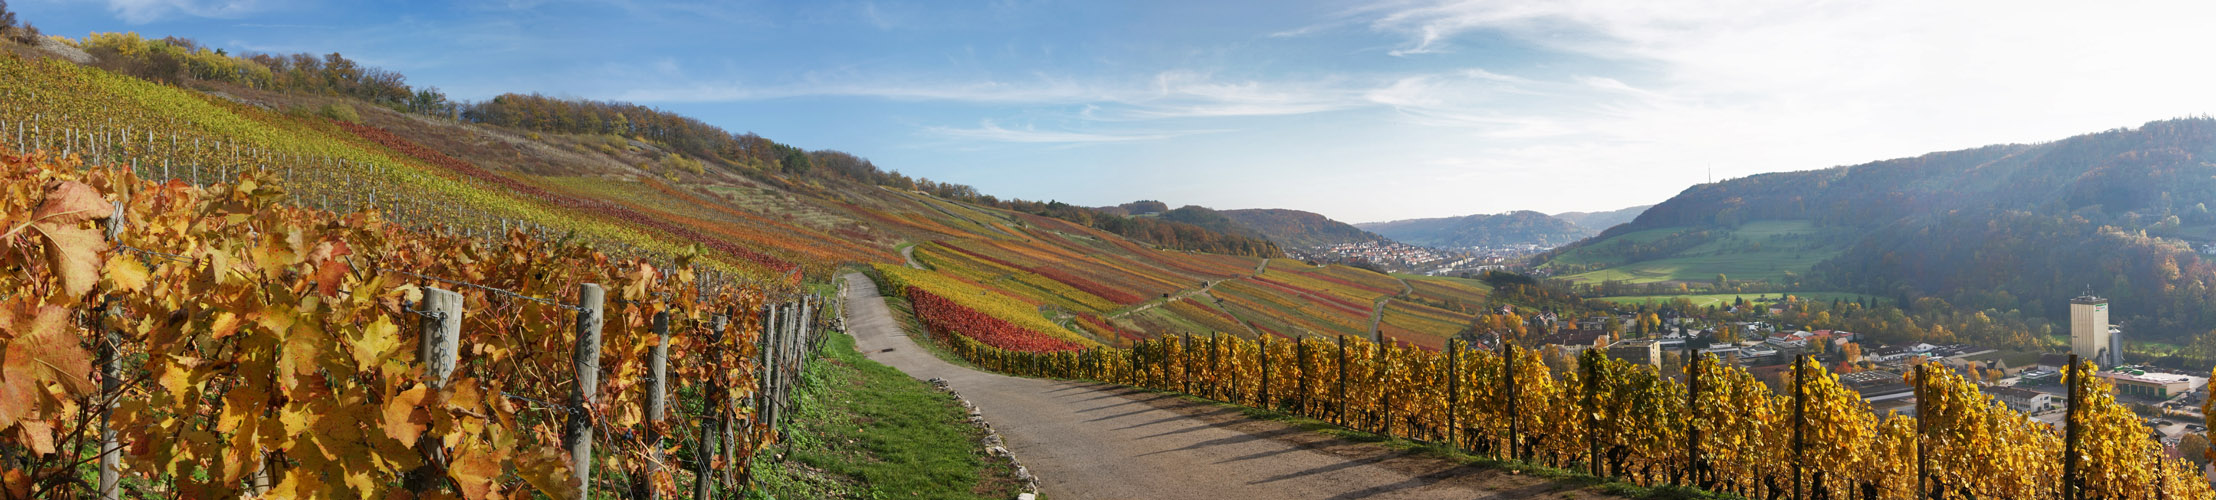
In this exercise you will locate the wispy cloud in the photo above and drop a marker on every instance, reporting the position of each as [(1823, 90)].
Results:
[(1170, 94), (146, 11), (990, 131)]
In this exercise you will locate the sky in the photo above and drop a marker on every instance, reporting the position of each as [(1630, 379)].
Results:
[(1361, 111)]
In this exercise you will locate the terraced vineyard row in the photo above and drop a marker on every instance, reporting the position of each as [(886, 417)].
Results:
[(1724, 432), (248, 347)]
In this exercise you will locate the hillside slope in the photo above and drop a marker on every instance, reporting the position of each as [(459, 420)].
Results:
[(2001, 228), (1299, 229), (1521, 227), (1601, 221), (755, 211)]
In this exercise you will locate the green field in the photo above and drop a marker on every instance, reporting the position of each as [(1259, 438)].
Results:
[(1760, 250), (866, 430), (1720, 299)]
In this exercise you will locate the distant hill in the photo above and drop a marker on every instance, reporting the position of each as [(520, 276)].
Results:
[(1601, 221), (1998, 229), (1487, 230), (1299, 229)]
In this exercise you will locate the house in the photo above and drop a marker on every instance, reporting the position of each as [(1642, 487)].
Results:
[(1886, 355), (1575, 341), (1762, 355), (1637, 351), (1878, 385), (2053, 361), (2023, 400), (2151, 385), (1787, 341)]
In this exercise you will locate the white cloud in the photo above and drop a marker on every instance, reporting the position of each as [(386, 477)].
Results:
[(1169, 94), (1755, 86), (146, 11), (989, 131)]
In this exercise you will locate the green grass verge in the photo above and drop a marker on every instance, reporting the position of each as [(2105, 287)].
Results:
[(866, 430)]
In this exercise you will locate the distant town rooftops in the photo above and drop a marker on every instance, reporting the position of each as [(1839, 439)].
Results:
[(2147, 377), (2015, 393)]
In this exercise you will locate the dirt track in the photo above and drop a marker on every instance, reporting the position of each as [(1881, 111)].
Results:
[(1096, 441)]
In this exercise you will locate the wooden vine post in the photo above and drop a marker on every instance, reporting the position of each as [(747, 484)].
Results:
[(438, 350), (2070, 450), (1262, 387), (1590, 363), (111, 371), (1300, 350), (657, 406), (1454, 394), (1384, 416), (1215, 366), (1515, 421), (1800, 420), (1923, 473), (1185, 355), (712, 415), (577, 431), (1692, 405), (1343, 380)]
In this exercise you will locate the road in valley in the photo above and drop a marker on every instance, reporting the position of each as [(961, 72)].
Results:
[(1097, 441)]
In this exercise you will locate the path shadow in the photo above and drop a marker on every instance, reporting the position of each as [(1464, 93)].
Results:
[(1243, 437), (1442, 475), (1179, 431), (1349, 464), (1176, 417)]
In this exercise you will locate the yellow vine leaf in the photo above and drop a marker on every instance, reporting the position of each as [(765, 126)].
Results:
[(548, 470), (37, 434), (124, 273), (476, 471), (45, 350), (72, 250), (400, 421), (379, 339)]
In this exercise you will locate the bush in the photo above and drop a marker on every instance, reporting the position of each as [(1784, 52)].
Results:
[(340, 112)]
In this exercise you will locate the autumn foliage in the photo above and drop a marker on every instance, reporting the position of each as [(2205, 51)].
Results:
[(257, 340)]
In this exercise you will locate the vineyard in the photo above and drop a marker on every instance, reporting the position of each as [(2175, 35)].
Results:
[(947, 304), (170, 133), (172, 340), (1716, 427)]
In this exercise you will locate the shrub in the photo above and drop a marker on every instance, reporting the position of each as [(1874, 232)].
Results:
[(340, 112)]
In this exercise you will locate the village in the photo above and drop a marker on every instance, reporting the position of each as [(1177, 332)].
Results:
[(2168, 401), (1402, 257)]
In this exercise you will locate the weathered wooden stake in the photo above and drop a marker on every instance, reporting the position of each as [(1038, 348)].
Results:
[(1262, 387), (1343, 380), (704, 455), (657, 406), (111, 371), (2069, 432), (1515, 420), (1454, 393), (438, 351), (577, 430), (1800, 420)]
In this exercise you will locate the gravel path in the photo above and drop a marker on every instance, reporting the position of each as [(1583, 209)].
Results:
[(1098, 441)]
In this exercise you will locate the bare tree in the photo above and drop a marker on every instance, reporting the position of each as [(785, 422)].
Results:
[(7, 17)]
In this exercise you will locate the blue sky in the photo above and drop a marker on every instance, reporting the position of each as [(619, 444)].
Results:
[(1363, 111)]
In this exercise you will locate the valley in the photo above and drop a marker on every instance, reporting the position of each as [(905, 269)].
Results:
[(239, 274)]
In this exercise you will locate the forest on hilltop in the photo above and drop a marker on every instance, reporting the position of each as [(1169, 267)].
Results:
[(1481, 230), (2018, 227)]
